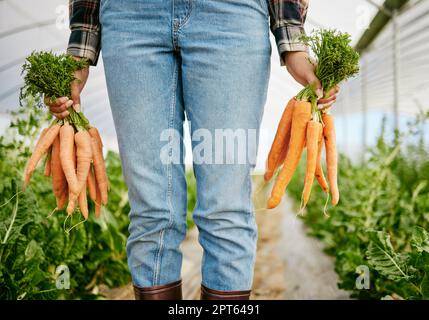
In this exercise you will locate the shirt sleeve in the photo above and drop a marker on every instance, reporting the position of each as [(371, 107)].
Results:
[(85, 30), (287, 18)]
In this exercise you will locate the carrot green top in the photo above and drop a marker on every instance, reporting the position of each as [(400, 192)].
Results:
[(50, 75), (336, 60)]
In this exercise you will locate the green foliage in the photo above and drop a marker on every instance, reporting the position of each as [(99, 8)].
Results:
[(382, 220), (337, 60), (383, 258), (33, 245), (118, 203), (420, 240), (49, 74), (192, 196), (33, 242)]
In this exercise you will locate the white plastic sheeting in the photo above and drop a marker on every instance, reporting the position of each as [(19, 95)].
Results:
[(378, 91), (27, 25), (374, 88)]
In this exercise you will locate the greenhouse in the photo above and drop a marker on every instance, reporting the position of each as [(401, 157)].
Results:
[(370, 240)]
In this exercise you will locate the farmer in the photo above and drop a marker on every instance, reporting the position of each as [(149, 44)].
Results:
[(208, 60)]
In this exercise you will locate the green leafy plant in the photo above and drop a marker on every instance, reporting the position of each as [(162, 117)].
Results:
[(32, 241), (192, 196), (383, 258)]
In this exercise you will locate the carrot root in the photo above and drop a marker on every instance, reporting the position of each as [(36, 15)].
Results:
[(312, 136), (98, 204), (100, 171), (280, 144), (331, 156), (320, 177), (67, 157), (301, 116), (83, 157), (47, 172), (92, 188), (83, 203), (42, 146)]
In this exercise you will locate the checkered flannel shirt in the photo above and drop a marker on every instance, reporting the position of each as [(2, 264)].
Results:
[(287, 19)]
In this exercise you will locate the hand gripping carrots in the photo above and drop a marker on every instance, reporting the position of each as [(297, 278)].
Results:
[(74, 149), (304, 126)]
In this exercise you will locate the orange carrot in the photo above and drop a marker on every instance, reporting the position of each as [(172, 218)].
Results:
[(92, 189), (283, 152), (99, 170), (62, 199), (72, 195), (98, 203), (59, 181), (83, 202), (301, 116), (47, 172), (320, 177), (312, 136), (95, 134), (71, 205), (281, 141), (42, 134), (41, 148), (82, 141), (93, 131), (331, 156), (67, 159)]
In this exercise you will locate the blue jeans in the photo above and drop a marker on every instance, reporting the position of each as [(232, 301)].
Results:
[(208, 60)]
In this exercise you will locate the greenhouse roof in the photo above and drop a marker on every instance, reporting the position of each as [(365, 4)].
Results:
[(375, 88), (380, 20), (27, 25)]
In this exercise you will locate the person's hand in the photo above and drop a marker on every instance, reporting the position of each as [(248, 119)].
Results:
[(59, 107), (303, 71)]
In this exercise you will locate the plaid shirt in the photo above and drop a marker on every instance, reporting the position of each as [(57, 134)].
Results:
[(287, 19)]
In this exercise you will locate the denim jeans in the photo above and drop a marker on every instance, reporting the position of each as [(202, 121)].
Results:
[(208, 60)]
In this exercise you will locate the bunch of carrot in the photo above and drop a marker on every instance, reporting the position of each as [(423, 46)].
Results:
[(74, 161), (73, 149), (302, 125)]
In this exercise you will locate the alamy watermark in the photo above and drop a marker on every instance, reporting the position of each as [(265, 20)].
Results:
[(62, 281), (218, 146), (62, 20), (363, 16), (363, 279)]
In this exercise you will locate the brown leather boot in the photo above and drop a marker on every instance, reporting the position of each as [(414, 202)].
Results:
[(171, 291), (210, 294)]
